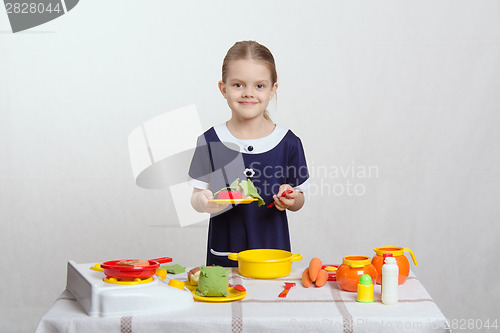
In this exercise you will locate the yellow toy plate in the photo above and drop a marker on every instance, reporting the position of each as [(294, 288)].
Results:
[(234, 295), (233, 201)]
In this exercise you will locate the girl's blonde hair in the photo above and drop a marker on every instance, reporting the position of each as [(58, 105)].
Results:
[(249, 49)]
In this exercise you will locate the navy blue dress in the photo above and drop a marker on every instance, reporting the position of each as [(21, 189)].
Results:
[(268, 162)]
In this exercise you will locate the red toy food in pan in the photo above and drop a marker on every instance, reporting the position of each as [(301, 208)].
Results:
[(117, 269)]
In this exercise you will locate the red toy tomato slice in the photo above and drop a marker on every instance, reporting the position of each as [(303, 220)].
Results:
[(230, 195)]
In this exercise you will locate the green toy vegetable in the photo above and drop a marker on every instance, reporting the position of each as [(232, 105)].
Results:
[(174, 269), (213, 281)]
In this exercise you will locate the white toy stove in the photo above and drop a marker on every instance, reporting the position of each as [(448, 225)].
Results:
[(103, 299)]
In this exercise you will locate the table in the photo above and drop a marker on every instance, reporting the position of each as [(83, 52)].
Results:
[(325, 309)]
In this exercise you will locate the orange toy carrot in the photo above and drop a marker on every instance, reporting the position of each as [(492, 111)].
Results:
[(322, 278), (314, 268), (306, 280)]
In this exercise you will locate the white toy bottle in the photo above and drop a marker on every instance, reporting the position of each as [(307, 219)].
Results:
[(390, 273)]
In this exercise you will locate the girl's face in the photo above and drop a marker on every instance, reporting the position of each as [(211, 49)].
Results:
[(248, 88)]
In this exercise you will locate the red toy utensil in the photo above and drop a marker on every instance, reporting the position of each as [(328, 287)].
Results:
[(238, 287), (283, 195), (288, 286)]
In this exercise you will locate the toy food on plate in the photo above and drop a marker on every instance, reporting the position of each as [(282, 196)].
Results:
[(244, 189), (135, 263), (314, 274), (194, 276), (174, 269), (213, 281), (228, 194)]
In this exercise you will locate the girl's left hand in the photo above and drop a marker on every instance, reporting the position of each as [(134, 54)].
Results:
[(282, 203)]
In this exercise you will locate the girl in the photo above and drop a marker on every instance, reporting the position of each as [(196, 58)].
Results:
[(248, 146)]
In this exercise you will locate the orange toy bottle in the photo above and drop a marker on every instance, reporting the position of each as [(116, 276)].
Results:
[(351, 270), (401, 260)]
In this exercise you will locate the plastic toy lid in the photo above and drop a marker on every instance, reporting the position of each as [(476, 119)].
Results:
[(330, 269), (365, 279), (396, 252), (356, 261), (390, 260)]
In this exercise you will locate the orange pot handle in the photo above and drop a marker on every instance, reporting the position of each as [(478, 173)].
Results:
[(412, 255)]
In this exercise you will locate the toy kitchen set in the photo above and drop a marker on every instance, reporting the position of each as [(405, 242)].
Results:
[(138, 295), (113, 289)]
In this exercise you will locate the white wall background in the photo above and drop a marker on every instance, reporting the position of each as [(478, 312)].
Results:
[(409, 87)]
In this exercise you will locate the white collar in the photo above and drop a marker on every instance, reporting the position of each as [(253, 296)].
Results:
[(251, 146)]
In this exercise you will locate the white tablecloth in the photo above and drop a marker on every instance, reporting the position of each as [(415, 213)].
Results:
[(325, 309)]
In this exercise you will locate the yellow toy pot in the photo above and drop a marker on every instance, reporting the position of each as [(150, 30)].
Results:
[(264, 263)]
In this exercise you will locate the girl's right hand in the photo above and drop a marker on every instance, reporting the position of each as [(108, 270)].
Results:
[(200, 202)]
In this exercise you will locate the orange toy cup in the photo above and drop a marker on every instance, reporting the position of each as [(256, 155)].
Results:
[(401, 260), (349, 273)]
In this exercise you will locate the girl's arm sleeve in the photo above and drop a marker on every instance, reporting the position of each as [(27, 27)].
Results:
[(298, 174), (199, 171)]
